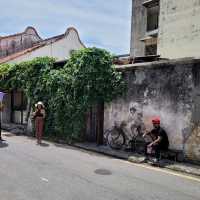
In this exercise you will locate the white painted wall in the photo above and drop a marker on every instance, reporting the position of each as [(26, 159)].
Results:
[(60, 49), (179, 28)]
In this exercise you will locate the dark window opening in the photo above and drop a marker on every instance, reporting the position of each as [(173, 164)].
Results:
[(151, 50), (152, 18), (18, 107), (71, 52)]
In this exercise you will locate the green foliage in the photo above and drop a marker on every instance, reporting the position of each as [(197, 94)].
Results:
[(87, 79)]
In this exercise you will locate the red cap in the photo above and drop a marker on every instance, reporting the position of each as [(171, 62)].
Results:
[(156, 120)]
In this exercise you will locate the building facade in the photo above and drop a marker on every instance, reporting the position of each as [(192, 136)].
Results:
[(170, 28), (29, 45), (168, 89), (15, 43), (58, 47)]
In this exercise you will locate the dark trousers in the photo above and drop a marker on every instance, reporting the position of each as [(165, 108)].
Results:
[(157, 148)]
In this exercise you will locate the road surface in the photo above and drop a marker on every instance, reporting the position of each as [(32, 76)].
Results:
[(57, 172)]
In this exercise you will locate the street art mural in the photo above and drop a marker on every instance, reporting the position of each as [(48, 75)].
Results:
[(132, 128), (170, 91)]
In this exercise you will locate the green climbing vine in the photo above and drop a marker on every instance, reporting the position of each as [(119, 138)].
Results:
[(88, 78)]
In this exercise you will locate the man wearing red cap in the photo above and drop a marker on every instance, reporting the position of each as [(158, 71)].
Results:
[(159, 139)]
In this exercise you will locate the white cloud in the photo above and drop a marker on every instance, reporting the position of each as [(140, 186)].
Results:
[(100, 23)]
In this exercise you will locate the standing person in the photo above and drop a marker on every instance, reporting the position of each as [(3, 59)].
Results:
[(39, 116), (159, 139), (1, 109)]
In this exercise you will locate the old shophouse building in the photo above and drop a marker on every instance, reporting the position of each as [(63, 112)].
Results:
[(27, 46), (169, 28)]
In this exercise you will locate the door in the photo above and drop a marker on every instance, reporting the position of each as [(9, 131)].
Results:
[(18, 107), (95, 122)]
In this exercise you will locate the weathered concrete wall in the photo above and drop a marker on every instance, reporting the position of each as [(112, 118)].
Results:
[(7, 108), (179, 28), (18, 42), (138, 28), (169, 90), (192, 139)]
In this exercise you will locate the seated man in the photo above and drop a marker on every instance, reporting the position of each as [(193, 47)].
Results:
[(159, 139)]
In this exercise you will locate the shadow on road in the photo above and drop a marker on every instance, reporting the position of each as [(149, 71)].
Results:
[(30, 137), (77, 148), (3, 144), (65, 146), (44, 144), (8, 134)]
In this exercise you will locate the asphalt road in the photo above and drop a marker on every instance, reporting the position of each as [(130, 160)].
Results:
[(56, 172)]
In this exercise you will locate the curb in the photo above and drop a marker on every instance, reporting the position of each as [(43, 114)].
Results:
[(179, 169), (136, 159), (100, 151)]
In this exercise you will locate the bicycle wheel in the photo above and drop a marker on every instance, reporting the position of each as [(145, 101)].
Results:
[(115, 140)]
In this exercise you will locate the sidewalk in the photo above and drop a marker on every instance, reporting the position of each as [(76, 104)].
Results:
[(137, 158)]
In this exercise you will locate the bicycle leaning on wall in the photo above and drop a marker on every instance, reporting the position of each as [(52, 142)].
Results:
[(116, 138)]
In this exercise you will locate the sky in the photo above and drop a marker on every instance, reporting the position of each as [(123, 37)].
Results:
[(101, 23)]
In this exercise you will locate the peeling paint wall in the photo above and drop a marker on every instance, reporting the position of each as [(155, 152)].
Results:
[(18, 42), (170, 90), (192, 141), (179, 28), (7, 108), (138, 28), (178, 32)]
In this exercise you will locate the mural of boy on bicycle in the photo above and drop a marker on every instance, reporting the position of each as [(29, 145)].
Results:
[(133, 133)]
